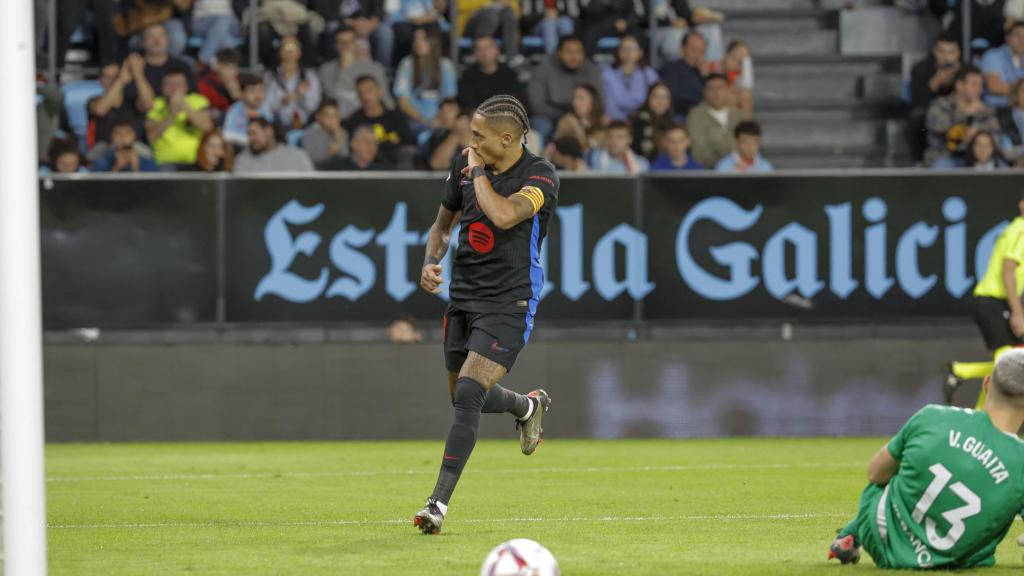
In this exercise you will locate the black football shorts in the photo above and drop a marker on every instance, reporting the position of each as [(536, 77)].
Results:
[(496, 336), (993, 318)]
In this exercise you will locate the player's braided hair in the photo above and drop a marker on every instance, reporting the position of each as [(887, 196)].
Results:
[(505, 106)]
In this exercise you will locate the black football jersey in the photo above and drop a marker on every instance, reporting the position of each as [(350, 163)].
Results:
[(498, 270)]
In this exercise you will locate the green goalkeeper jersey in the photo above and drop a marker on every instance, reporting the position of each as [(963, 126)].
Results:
[(959, 487)]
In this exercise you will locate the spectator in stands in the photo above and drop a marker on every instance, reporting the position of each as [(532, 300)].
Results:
[(414, 15), (675, 19), (608, 18), (549, 19), (404, 331), (987, 18), (1011, 122), (586, 122), (390, 126), (550, 90), (219, 82), (215, 22), (49, 109), (1004, 66), (112, 105), (338, 77), (251, 105), (713, 122), (449, 138), (746, 158), (124, 154), (738, 67), (685, 77), (215, 154), (266, 154), (292, 92), (64, 158), (368, 20), (954, 120), (627, 80), (566, 155), (365, 154), (929, 79), (325, 138), (73, 13), (137, 16), (487, 75), (493, 18), (423, 79), (617, 156), (1013, 11), (933, 76), (675, 144), (157, 64), (983, 154), (177, 121), (279, 20), (651, 120)]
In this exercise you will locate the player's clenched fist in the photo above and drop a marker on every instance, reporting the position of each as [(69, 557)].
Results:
[(430, 278)]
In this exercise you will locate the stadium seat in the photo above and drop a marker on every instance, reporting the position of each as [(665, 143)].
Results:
[(294, 137), (197, 42), (607, 44), (531, 45), (76, 95)]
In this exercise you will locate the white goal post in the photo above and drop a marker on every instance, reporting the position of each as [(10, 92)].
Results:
[(21, 386)]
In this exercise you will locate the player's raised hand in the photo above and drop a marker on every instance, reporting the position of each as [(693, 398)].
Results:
[(472, 158), (430, 278)]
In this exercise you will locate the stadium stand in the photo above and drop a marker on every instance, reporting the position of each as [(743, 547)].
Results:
[(837, 98)]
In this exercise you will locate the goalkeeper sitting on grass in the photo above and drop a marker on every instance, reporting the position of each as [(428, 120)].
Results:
[(945, 490)]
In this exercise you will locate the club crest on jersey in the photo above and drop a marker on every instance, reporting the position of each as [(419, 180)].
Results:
[(481, 238)]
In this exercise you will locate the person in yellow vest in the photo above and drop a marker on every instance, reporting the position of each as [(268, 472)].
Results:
[(998, 309), (176, 123)]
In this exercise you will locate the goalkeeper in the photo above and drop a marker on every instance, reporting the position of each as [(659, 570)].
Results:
[(945, 490)]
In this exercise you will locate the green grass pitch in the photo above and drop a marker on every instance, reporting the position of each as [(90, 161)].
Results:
[(717, 507)]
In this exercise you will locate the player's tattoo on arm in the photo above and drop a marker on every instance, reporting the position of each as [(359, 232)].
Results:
[(440, 235)]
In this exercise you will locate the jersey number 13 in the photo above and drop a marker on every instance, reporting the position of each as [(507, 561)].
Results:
[(955, 517)]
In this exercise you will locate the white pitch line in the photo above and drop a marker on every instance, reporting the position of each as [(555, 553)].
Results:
[(325, 523), (369, 473)]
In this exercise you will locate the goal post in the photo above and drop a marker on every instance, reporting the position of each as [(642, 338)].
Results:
[(21, 371)]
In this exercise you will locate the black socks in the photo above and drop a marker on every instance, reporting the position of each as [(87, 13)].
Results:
[(469, 400), (503, 400)]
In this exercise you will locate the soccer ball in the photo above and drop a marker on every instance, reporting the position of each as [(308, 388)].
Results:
[(520, 557)]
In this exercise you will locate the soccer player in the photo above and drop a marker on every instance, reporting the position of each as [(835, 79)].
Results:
[(997, 305), (503, 197), (945, 490)]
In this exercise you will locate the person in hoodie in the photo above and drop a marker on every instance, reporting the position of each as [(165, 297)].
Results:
[(551, 87)]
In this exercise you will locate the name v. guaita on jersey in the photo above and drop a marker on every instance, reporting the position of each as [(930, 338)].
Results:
[(977, 449)]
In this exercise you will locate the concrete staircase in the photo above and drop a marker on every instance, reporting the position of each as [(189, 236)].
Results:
[(818, 109)]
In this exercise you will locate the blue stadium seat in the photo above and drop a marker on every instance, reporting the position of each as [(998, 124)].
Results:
[(294, 137), (532, 42), (197, 42), (81, 35), (76, 95), (607, 44)]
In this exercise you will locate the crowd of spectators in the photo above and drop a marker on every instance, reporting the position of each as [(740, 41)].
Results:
[(350, 85), (967, 110)]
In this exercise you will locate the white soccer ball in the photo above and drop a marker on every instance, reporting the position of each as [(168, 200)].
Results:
[(520, 557)]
